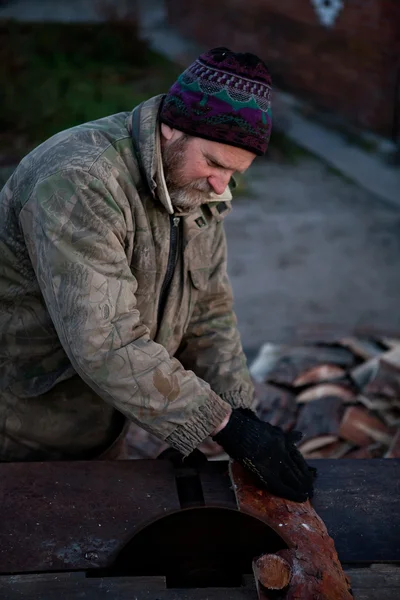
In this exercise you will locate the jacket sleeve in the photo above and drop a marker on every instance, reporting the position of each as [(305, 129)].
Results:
[(75, 232), (211, 346)]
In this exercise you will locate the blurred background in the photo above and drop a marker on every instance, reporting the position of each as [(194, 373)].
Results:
[(314, 242), (314, 237)]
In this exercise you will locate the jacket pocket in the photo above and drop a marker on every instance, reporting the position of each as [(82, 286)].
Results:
[(198, 282), (199, 278)]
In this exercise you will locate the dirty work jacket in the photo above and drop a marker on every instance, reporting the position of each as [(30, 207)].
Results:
[(109, 302)]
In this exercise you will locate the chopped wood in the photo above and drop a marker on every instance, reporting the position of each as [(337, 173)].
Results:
[(361, 347), (390, 342), (374, 403), (276, 405), (281, 365), (312, 445), (265, 361), (394, 449), (320, 418), (335, 449), (326, 389), (392, 358), (272, 571), (363, 374), (391, 418), (319, 374), (361, 428), (371, 451)]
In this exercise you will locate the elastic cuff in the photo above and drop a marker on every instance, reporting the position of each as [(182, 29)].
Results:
[(207, 417), (239, 400)]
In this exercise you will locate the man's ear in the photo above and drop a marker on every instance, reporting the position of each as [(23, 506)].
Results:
[(166, 131)]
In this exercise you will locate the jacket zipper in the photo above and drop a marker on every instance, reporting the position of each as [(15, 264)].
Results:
[(172, 256)]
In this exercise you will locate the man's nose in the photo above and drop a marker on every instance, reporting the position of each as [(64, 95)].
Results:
[(219, 182)]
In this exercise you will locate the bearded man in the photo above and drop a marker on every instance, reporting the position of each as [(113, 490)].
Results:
[(115, 304)]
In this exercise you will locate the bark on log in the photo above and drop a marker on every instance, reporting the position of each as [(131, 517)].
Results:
[(314, 567)]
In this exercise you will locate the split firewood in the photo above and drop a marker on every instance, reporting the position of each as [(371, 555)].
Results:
[(319, 374), (372, 451), (276, 405), (361, 428), (281, 365), (394, 450), (379, 376), (309, 567), (319, 422), (390, 342), (317, 444), (391, 418), (392, 358), (379, 404), (326, 389), (334, 449), (362, 347)]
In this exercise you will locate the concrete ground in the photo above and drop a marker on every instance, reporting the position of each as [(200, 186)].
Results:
[(306, 246)]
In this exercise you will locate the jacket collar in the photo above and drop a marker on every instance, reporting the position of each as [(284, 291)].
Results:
[(147, 144)]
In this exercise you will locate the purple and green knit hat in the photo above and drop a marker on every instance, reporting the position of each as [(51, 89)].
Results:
[(223, 96)]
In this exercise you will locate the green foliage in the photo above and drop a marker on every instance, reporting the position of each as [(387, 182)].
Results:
[(54, 76)]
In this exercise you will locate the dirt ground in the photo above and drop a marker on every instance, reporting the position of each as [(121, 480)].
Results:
[(308, 247)]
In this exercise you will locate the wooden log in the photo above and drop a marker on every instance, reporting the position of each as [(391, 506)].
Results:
[(320, 417), (281, 365), (394, 450), (379, 376), (326, 389), (363, 348), (361, 428), (320, 374), (311, 557), (272, 571), (276, 405), (334, 449)]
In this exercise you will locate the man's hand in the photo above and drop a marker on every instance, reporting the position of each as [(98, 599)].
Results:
[(269, 453)]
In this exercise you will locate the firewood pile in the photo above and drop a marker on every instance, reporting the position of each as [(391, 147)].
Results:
[(343, 395)]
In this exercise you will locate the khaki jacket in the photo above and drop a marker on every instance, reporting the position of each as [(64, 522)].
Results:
[(97, 318)]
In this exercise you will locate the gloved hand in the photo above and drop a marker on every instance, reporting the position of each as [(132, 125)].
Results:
[(268, 452)]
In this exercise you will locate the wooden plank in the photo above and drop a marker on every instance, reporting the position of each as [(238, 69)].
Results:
[(359, 501), (368, 583), (77, 515), (78, 587), (216, 484), (376, 576)]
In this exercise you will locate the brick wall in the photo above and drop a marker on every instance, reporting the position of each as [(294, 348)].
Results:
[(351, 68)]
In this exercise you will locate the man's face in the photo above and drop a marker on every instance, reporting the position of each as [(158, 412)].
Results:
[(194, 168)]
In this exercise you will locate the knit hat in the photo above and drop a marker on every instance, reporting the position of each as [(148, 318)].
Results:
[(223, 96)]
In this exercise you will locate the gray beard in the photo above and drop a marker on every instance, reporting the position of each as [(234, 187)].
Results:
[(188, 198), (184, 197)]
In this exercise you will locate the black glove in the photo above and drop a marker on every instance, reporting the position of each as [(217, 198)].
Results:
[(268, 452)]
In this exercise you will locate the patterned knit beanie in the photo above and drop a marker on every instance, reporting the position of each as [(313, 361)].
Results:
[(223, 96)]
